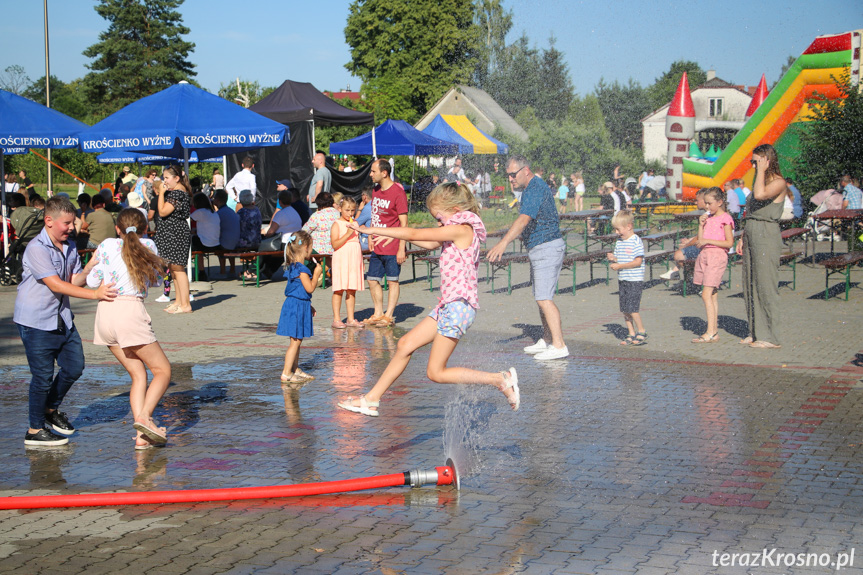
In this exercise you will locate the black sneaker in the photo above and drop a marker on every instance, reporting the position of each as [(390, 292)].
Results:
[(58, 422), (45, 438)]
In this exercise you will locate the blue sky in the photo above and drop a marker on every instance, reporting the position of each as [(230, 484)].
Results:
[(273, 40)]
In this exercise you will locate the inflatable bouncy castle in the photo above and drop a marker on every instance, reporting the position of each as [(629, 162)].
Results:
[(779, 118)]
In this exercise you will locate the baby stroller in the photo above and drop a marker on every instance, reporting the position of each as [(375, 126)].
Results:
[(12, 268), (824, 200)]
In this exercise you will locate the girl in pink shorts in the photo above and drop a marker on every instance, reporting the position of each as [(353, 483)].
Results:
[(459, 236), (133, 264), (715, 238)]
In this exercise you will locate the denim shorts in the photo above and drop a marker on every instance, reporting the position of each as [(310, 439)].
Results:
[(630, 296), (453, 318), (546, 261), (380, 266), (691, 252)]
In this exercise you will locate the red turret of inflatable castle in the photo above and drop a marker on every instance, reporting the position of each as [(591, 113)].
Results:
[(680, 130), (759, 97)]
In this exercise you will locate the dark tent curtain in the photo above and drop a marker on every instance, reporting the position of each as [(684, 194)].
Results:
[(300, 106), (351, 183), (292, 161)]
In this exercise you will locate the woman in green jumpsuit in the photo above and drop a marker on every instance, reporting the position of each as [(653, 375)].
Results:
[(761, 247)]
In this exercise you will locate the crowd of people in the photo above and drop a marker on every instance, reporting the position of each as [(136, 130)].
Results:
[(125, 263)]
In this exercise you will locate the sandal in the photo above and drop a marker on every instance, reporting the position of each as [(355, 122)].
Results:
[(364, 407), (640, 338), (304, 375), (746, 340), (510, 379), (339, 324), (355, 323), (761, 344), (706, 338), (171, 308), (373, 319), (249, 275), (153, 432), (178, 309), (385, 321), (628, 340)]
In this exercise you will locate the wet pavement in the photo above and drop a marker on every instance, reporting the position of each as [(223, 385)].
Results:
[(657, 459)]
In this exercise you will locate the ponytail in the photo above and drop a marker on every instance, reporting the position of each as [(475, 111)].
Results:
[(145, 267)]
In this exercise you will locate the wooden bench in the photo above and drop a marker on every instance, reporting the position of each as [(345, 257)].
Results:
[(840, 265), (609, 239), (659, 238), (571, 260), (247, 257), (657, 257), (206, 255), (789, 235)]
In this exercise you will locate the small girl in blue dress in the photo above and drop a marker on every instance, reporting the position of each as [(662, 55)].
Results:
[(295, 321)]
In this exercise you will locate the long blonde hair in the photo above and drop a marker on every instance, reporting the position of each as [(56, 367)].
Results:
[(451, 196), (145, 267), (295, 250)]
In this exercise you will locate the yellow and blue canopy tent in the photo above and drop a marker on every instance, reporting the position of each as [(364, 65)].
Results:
[(459, 130)]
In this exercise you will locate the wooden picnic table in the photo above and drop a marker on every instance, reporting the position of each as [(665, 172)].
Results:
[(647, 208), (835, 219), (582, 216)]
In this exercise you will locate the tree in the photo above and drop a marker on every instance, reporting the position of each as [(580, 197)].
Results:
[(516, 80), (556, 94), (494, 23), (244, 92), (785, 67), (66, 98), (662, 90), (586, 111), (829, 142), (419, 47), (623, 107), (14, 79), (141, 53)]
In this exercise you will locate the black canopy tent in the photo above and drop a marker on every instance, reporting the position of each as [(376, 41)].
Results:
[(300, 106)]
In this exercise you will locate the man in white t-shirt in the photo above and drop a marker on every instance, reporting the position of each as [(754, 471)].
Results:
[(242, 180), (456, 173)]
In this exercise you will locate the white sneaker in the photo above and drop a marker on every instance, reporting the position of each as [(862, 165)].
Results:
[(191, 297), (670, 275), (538, 347), (163, 299), (553, 353)]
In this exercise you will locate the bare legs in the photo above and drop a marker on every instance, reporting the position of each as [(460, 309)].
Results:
[(292, 358), (142, 398), (442, 347), (711, 306), (377, 293), (181, 286), (552, 329), (350, 304), (633, 323)]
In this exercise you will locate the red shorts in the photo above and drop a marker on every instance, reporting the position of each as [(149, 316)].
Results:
[(710, 266)]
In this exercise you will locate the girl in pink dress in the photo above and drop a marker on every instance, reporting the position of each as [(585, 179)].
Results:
[(715, 238), (347, 264), (459, 236)]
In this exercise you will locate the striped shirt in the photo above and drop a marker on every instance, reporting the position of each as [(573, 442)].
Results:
[(624, 252)]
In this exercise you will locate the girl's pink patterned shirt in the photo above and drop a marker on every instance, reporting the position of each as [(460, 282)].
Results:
[(458, 268)]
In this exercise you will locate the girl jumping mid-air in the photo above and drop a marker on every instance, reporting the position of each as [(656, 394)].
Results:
[(459, 236), (132, 263), (295, 321)]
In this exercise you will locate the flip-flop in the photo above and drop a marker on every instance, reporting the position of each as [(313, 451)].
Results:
[(761, 344), (355, 323), (709, 339), (746, 340), (512, 382), (362, 408), (177, 310), (171, 308), (153, 434)]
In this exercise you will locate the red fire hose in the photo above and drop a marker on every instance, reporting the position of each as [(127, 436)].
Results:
[(441, 476)]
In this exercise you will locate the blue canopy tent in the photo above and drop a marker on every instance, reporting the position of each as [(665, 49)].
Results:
[(27, 124), (395, 138), (180, 120), (126, 157)]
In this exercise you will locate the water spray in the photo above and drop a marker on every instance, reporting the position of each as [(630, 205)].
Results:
[(445, 475)]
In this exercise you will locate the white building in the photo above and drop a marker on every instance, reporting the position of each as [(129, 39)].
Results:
[(720, 108)]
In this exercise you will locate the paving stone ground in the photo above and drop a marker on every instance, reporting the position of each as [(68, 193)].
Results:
[(658, 459)]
